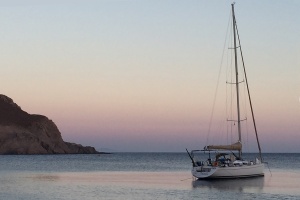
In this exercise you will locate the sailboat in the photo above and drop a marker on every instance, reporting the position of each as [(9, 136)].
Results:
[(228, 161)]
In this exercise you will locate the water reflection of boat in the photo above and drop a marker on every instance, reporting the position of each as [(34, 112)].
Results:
[(246, 184)]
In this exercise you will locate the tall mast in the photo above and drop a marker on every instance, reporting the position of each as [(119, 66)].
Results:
[(236, 80)]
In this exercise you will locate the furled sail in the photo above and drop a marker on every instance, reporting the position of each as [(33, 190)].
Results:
[(234, 147)]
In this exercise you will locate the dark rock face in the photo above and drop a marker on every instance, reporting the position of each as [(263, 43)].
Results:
[(23, 133)]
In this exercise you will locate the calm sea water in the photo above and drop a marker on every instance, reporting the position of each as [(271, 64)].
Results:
[(138, 176)]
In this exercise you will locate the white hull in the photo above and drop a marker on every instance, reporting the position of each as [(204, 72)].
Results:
[(203, 172)]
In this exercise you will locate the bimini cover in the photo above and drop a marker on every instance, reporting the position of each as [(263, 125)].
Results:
[(235, 147)]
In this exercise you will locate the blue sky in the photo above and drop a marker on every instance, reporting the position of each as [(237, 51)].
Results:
[(140, 75)]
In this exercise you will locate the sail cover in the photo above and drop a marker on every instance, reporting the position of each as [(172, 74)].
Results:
[(236, 146)]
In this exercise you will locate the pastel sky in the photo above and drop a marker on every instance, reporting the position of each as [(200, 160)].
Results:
[(132, 75)]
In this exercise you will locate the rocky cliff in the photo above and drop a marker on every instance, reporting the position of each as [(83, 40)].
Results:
[(23, 133)]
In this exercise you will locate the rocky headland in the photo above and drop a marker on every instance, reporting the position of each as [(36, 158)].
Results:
[(23, 133)]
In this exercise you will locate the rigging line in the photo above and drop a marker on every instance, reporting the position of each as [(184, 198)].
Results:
[(246, 113), (231, 90), (268, 167), (226, 99), (245, 101), (215, 95), (229, 94), (226, 102), (253, 119)]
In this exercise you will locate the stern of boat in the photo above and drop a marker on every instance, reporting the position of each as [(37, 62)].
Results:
[(203, 171)]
